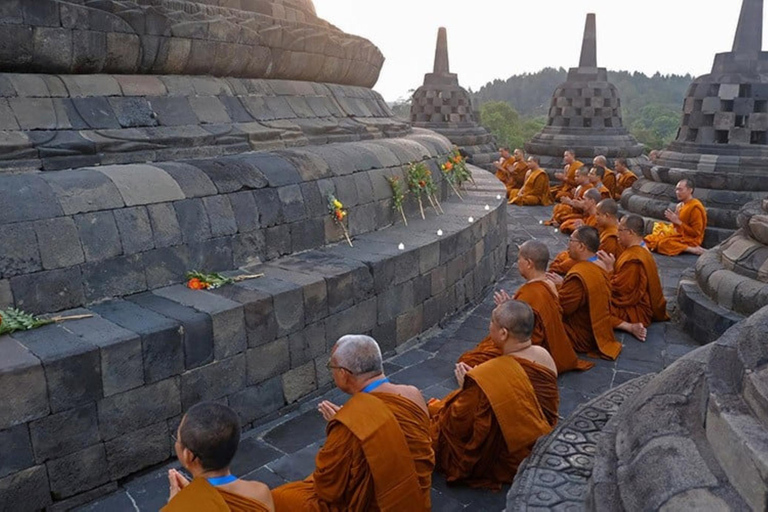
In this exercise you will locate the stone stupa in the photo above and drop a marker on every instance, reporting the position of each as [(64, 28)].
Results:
[(722, 142), (585, 115), (443, 106)]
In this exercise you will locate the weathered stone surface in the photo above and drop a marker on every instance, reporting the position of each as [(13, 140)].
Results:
[(78, 472), (22, 384), (213, 381), (62, 244), (138, 408), (257, 401), (299, 382), (135, 229), (137, 450), (20, 252), (142, 184), (98, 235), (27, 489), (83, 190), (267, 361), (61, 434), (15, 450)]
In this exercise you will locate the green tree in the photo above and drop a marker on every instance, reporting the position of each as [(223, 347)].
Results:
[(505, 123)]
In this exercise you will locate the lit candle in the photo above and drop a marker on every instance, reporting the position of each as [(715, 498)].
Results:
[(487, 207), (498, 197), (401, 246), (439, 232), (471, 219)]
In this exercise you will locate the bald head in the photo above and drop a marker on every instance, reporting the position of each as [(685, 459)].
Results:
[(593, 195), (359, 354), (600, 160), (583, 171), (608, 207), (589, 236), (635, 224), (516, 317), (599, 171), (537, 252)]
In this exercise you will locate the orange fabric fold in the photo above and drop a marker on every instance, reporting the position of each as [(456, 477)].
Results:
[(636, 292), (609, 242), (610, 183), (535, 191), (201, 495), (569, 226), (563, 212), (624, 181), (544, 383), (569, 183), (690, 233)]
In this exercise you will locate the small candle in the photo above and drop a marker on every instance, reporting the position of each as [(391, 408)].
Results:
[(487, 207), (471, 219), (541, 222), (498, 197), (401, 246), (557, 230), (439, 232)]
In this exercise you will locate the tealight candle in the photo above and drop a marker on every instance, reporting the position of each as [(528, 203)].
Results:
[(487, 207), (471, 219), (439, 232), (401, 246)]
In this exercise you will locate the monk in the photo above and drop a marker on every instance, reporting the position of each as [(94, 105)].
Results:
[(519, 169), (689, 221), (378, 452), (587, 207), (484, 430), (567, 176), (607, 177), (597, 180), (567, 208), (206, 442), (541, 295), (636, 292), (585, 296), (535, 190), (504, 166), (625, 177), (607, 225)]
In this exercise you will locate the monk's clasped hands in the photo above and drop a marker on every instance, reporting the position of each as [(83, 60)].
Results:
[(606, 261), (500, 297), (328, 409), (460, 371)]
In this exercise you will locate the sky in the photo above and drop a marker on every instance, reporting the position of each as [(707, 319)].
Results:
[(495, 39)]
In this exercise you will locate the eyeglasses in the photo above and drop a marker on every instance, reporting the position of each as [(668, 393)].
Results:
[(333, 367), (574, 240)]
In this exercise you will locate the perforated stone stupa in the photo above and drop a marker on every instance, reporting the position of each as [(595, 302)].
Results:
[(442, 105), (722, 142), (585, 115)]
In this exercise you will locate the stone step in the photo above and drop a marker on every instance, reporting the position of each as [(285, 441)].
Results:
[(727, 285), (701, 317)]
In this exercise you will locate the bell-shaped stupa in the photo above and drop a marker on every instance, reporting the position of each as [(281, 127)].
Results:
[(585, 115), (442, 105)]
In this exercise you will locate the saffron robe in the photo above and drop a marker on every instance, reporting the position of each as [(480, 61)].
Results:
[(505, 173), (624, 181), (548, 330), (570, 225), (484, 431), (519, 170), (585, 297), (535, 191), (636, 292), (377, 456), (563, 212), (690, 233), (544, 382), (609, 182), (566, 188), (201, 495), (609, 242)]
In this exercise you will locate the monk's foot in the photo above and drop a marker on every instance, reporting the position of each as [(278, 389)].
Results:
[(638, 331)]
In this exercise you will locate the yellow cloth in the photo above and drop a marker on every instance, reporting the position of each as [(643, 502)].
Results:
[(535, 191), (690, 233)]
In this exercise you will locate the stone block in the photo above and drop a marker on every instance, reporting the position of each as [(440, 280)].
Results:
[(50, 291), (249, 248), (193, 220), (299, 382), (114, 277), (255, 402), (245, 211), (26, 490), (98, 235), (165, 225), (193, 181), (394, 301), (96, 112), (359, 319), (287, 300), (213, 381), (161, 341), (66, 432), (34, 113), (292, 203), (227, 317), (135, 229), (220, 215), (132, 112), (173, 110), (307, 344), (23, 389), (72, 365), (278, 171), (313, 288), (138, 450), (83, 190), (209, 109), (62, 243), (142, 184), (268, 360), (26, 197), (270, 207), (315, 202), (138, 408), (15, 450), (231, 174), (78, 472), (258, 310), (307, 234), (20, 253), (6, 298)]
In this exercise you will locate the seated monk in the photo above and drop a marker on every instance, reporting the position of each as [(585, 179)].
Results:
[(587, 207), (596, 179), (689, 220), (568, 176), (541, 295), (504, 167), (607, 177), (378, 452), (585, 296), (607, 226), (484, 430), (535, 190), (519, 170), (636, 292), (567, 208), (625, 178), (206, 442)]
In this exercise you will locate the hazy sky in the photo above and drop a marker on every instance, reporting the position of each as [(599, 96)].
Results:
[(489, 39)]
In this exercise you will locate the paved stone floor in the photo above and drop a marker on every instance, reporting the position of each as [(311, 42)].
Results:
[(284, 449)]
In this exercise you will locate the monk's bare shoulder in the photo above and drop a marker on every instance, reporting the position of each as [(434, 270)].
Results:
[(260, 492), (539, 355), (413, 394)]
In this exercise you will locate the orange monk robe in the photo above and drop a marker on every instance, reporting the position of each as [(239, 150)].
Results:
[(690, 233), (535, 191), (544, 382), (605, 193), (200, 495), (569, 183), (504, 174), (585, 297), (570, 225), (519, 170), (548, 330), (624, 181), (563, 212), (636, 292), (609, 182), (484, 431), (377, 456), (609, 242)]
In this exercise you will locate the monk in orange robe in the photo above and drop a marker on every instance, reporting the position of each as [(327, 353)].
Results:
[(206, 442), (535, 190), (568, 176), (607, 176), (689, 220), (568, 207), (607, 225), (625, 178), (378, 452), (519, 170), (541, 295), (504, 167), (587, 207), (484, 430), (636, 292)]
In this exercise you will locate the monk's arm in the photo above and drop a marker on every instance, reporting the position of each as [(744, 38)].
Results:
[(541, 186), (629, 284), (465, 428), (695, 226), (333, 463), (572, 295)]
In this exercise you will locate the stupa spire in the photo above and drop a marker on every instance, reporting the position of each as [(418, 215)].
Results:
[(749, 32), (589, 43), (441, 53)]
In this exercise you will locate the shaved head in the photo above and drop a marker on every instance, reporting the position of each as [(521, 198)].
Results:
[(600, 160), (593, 194), (516, 317), (583, 171), (589, 236), (608, 207), (634, 223), (599, 171), (359, 354), (537, 252)]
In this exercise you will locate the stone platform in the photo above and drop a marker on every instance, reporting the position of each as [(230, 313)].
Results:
[(284, 448)]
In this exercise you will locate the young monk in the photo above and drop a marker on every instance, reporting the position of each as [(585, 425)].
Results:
[(488, 426), (504, 167), (596, 179), (588, 209), (636, 292), (607, 226), (541, 295), (519, 169), (625, 178), (607, 178), (535, 190), (378, 452), (568, 176), (206, 442), (567, 208), (689, 220)]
